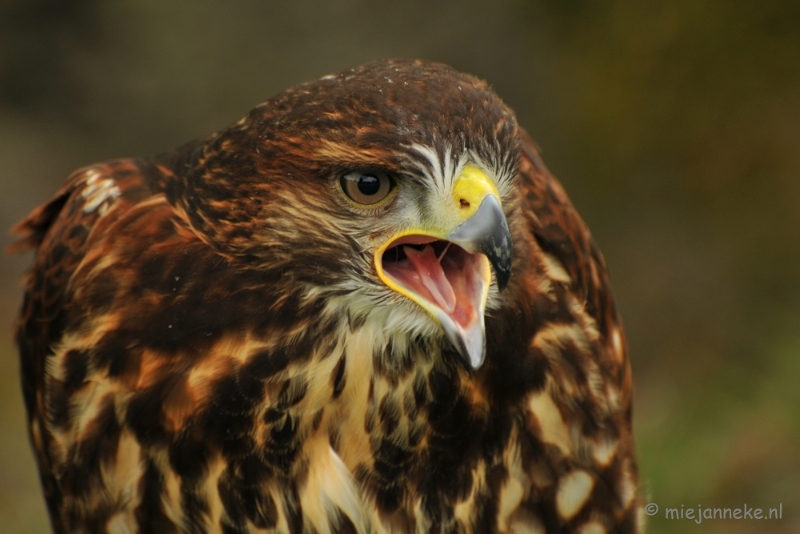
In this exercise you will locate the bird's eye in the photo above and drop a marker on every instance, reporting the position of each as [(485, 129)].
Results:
[(367, 188)]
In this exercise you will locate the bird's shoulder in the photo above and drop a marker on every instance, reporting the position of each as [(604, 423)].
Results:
[(119, 273), (72, 233), (138, 335), (565, 272), (87, 234), (559, 364)]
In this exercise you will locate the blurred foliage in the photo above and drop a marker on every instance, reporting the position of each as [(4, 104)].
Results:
[(675, 127)]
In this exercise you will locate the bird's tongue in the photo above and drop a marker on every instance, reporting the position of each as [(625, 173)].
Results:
[(430, 274), (451, 281)]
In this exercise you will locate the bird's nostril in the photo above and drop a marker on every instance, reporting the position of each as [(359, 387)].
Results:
[(464, 203)]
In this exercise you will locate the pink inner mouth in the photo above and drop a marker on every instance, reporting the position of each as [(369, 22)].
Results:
[(440, 272)]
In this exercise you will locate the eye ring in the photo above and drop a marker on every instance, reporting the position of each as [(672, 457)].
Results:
[(367, 188)]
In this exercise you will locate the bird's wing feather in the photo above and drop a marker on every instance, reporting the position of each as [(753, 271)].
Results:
[(96, 333), (148, 360)]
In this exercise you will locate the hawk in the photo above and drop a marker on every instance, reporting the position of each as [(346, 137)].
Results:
[(366, 307)]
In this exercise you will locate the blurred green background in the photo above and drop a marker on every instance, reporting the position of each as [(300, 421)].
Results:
[(675, 127)]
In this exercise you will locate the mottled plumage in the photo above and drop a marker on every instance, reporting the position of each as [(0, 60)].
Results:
[(224, 338)]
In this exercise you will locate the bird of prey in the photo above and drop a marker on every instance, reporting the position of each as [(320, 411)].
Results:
[(366, 307)]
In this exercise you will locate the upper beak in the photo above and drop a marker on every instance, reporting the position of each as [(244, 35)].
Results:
[(452, 282), (487, 233)]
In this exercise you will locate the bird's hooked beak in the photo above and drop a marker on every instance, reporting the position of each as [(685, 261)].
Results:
[(447, 268)]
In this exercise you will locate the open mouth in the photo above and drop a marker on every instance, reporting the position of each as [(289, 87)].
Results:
[(440, 272), (446, 280)]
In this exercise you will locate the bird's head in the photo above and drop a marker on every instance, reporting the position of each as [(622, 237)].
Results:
[(386, 190)]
